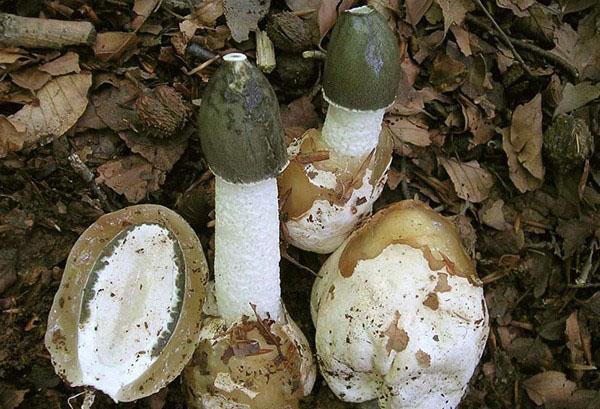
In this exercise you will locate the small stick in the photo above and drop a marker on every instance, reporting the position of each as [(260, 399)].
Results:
[(87, 175), (527, 46), (203, 65), (505, 38), (17, 31), (265, 52)]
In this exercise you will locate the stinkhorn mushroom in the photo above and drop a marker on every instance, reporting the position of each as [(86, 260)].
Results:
[(399, 312), (125, 319), (337, 173), (251, 355)]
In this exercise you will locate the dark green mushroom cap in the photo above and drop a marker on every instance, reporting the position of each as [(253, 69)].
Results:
[(362, 70), (239, 124)]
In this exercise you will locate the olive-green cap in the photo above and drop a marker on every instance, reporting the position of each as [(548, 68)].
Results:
[(362, 70), (239, 124)]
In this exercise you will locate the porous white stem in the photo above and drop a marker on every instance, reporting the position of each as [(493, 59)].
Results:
[(352, 133), (247, 249)]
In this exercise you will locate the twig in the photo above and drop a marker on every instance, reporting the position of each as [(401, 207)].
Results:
[(17, 31), (504, 37), (87, 175), (203, 65), (527, 46)]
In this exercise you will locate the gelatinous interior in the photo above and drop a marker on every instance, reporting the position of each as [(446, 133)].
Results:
[(130, 306)]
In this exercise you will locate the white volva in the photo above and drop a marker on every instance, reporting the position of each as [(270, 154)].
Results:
[(247, 249), (350, 132), (133, 299), (397, 331)]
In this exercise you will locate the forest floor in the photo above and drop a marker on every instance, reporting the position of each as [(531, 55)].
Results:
[(484, 84)]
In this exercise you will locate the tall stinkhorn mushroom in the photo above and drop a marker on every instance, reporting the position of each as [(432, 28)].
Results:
[(399, 312), (252, 355), (125, 318), (337, 173)]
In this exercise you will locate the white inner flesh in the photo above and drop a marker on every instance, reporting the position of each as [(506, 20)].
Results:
[(247, 249), (135, 294), (352, 133)]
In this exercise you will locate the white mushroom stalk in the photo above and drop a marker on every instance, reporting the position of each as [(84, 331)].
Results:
[(326, 198), (399, 314), (247, 249), (350, 132), (251, 355)]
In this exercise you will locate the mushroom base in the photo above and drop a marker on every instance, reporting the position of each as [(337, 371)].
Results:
[(325, 199), (252, 364), (397, 313)]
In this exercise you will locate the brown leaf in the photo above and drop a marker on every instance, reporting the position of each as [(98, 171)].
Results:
[(493, 215), (208, 13), (462, 39), (143, 9), (112, 45), (65, 64), (523, 145), (300, 113), (30, 78), (546, 387), (575, 342), (576, 96), (518, 7), (11, 398), (475, 122), (447, 73), (328, 12), (243, 16), (11, 55), (296, 5), (533, 353), (416, 9), (114, 105), (163, 154), (11, 138), (59, 105), (408, 130), (132, 176), (471, 182), (454, 11)]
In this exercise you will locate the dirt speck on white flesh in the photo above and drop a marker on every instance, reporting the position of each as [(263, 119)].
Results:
[(134, 293)]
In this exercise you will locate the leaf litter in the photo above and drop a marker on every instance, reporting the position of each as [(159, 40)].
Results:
[(475, 101)]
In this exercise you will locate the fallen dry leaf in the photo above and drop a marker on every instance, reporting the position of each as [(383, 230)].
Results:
[(59, 105), (476, 123), (143, 9), (114, 105), (408, 130), (471, 182), (243, 16), (454, 11), (575, 342), (11, 137), (549, 386), (523, 145), (65, 64), (519, 7), (576, 96), (296, 5), (299, 116), (11, 398), (132, 176), (11, 55), (328, 12), (462, 39), (30, 78), (416, 9), (163, 154), (112, 45), (493, 215)]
